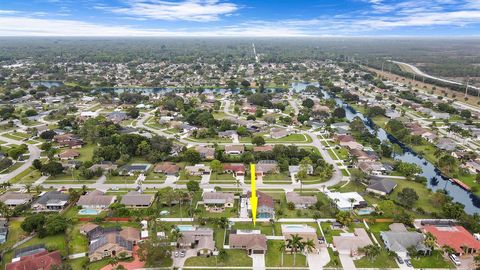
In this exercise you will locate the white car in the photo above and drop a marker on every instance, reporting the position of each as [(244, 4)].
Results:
[(455, 259)]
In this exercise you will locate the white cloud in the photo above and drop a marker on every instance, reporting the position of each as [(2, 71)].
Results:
[(26, 26), (188, 10), (6, 12)]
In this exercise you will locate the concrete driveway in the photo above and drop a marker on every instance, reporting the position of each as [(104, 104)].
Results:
[(258, 261), (347, 262), (318, 260), (179, 262)]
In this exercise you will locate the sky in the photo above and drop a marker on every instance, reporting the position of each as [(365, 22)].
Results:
[(244, 18)]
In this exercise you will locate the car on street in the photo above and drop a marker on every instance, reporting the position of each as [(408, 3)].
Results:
[(175, 254)]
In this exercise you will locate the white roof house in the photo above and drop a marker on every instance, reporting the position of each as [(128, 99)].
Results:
[(89, 114), (342, 200)]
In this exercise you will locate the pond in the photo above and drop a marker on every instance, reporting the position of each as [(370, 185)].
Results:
[(435, 178)]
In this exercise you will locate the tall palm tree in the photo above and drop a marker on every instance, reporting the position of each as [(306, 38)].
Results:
[(28, 187), (351, 201), (308, 246), (448, 249), (282, 249), (430, 241), (295, 245)]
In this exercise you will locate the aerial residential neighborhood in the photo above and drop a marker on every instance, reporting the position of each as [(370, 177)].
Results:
[(208, 134)]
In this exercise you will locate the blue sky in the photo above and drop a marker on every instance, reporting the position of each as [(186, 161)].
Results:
[(240, 18)]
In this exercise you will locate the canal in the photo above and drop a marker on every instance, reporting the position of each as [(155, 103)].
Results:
[(435, 178)]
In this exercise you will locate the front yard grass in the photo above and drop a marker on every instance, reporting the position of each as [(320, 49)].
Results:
[(274, 256), (265, 227), (234, 258), (435, 260), (222, 176), (300, 138), (276, 177), (383, 260)]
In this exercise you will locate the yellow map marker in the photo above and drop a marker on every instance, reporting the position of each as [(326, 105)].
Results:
[(253, 197)]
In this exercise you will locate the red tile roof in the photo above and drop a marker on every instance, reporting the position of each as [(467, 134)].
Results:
[(234, 167), (43, 260), (454, 237)]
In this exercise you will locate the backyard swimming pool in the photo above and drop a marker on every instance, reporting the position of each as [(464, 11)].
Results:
[(185, 228), (297, 228), (89, 212)]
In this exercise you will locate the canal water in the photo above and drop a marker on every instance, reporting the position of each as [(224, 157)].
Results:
[(435, 178)]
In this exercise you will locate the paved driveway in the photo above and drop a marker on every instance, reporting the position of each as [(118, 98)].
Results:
[(179, 262), (347, 262), (316, 261), (258, 261)]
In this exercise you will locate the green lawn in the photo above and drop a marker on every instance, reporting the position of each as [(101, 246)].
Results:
[(291, 138), (276, 177), (86, 152), (12, 168), (229, 212), (435, 260), (120, 179), (384, 260), (186, 177), (265, 227), (77, 242), (423, 193), (328, 232), (234, 258), (29, 175), (274, 256), (222, 176)]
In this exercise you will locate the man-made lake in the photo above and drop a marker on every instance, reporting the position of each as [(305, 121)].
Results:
[(435, 178)]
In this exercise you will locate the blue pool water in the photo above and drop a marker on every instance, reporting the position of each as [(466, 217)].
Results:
[(185, 228), (90, 212)]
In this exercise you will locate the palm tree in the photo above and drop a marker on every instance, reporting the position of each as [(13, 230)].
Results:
[(430, 241), (476, 259), (448, 249), (308, 246), (5, 211), (351, 201), (113, 261), (176, 235), (28, 187), (295, 245), (371, 251), (282, 249)]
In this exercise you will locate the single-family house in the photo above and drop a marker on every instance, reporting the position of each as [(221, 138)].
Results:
[(265, 206), (113, 243), (306, 232), (51, 201), (238, 169), (135, 199), (278, 133), (300, 201), (346, 201), (198, 238), (371, 167), (168, 168), (13, 199), (234, 149), (39, 261), (68, 154), (265, 167), (293, 170), (96, 200), (351, 243), (218, 201), (206, 152), (263, 148), (399, 240), (381, 187), (198, 170), (134, 169), (446, 144), (456, 237), (252, 243)]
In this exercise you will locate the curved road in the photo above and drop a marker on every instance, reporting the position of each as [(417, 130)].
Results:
[(34, 154)]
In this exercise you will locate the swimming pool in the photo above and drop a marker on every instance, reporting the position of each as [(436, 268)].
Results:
[(90, 212), (185, 228), (297, 228), (365, 211)]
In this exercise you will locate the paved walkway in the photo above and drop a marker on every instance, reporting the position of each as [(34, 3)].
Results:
[(317, 261), (258, 261)]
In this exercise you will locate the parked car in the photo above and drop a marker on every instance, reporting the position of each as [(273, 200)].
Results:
[(455, 259), (399, 260), (408, 263), (175, 254), (182, 253)]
